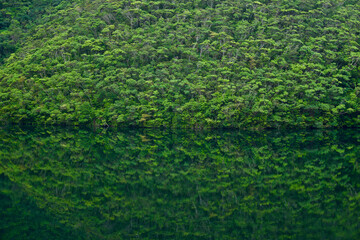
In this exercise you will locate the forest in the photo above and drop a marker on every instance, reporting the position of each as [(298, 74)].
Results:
[(180, 64)]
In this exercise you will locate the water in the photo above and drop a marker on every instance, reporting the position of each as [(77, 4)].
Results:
[(58, 183)]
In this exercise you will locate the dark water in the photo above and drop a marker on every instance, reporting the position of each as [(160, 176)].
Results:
[(58, 183)]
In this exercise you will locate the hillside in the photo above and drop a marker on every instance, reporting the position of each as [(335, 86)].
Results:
[(199, 64)]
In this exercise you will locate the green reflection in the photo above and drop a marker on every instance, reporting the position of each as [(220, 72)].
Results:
[(154, 184)]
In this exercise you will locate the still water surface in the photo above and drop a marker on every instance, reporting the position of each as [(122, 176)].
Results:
[(61, 183)]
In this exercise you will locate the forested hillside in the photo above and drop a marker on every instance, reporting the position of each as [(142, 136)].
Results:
[(199, 63), (16, 19)]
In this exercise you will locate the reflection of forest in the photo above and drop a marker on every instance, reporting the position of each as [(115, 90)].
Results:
[(155, 184)]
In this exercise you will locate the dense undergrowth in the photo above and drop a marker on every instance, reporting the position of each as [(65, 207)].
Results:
[(201, 64)]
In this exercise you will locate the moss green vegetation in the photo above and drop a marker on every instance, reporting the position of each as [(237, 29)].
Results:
[(178, 185), (200, 64)]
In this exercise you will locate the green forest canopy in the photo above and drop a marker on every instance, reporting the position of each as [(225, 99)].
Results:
[(200, 64)]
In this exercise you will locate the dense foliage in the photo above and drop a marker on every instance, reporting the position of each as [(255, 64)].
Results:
[(202, 63), (176, 185), (17, 18)]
